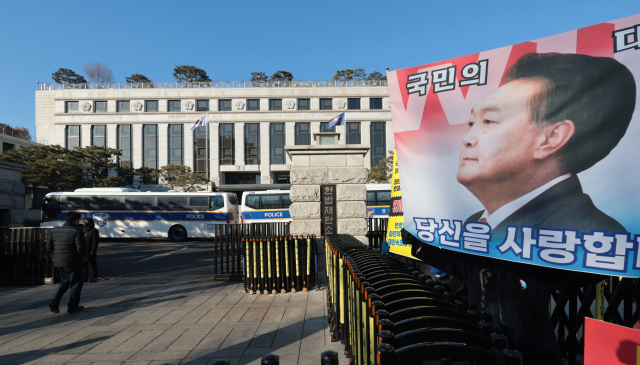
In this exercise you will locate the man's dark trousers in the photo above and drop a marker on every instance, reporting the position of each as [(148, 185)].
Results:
[(71, 277), (91, 269)]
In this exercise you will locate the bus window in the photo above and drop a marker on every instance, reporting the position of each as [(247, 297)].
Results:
[(140, 202), (383, 198), (286, 201), (253, 201), (172, 203), (371, 198), (199, 202), (50, 208), (269, 201), (107, 203), (233, 199), (217, 202), (75, 203)]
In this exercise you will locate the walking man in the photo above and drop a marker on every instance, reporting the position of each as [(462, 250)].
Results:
[(69, 248), (92, 237)]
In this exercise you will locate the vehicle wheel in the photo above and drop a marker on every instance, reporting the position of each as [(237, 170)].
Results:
[(178, 234)]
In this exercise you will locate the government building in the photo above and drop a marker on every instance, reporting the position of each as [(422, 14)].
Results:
[(248, 126)]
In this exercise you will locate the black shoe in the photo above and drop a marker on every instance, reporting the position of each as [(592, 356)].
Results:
[(93, 280), (74, 310), (54, 308)]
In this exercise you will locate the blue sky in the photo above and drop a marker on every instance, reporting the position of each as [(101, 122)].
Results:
[(230, 39)]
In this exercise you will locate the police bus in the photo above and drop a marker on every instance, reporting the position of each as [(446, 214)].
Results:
[(378, 200), (265, 206), (122, 212)]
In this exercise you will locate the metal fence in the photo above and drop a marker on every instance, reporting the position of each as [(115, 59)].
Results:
[(229, 250), (213, 84), (377, 231), (24, 256)]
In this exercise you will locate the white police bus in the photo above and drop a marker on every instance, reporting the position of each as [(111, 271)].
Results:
[(378, 200), (122, 212), (265, 206)]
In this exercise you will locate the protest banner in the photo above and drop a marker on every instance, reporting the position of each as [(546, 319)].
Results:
[(607, 343), (396, 218), (527, 153)]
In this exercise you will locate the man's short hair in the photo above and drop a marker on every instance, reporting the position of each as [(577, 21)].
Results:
[(598, 94), (72, 216)]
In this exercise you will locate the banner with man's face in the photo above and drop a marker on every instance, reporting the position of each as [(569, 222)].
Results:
[(528, 153)]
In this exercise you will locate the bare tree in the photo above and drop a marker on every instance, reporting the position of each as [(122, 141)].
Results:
[(98, 73)]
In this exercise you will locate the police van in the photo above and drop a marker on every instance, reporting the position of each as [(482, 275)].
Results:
[(378, 200), (265, 206)]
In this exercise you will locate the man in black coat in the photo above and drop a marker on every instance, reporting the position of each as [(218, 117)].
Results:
[(92, 237), (555, 116), (69, 248)]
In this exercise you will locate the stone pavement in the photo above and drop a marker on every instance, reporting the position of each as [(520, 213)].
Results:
[(163, 324)]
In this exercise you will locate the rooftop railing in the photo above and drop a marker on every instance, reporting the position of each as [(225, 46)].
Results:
[(212, 84)]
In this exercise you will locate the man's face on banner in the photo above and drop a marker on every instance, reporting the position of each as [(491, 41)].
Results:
[(500, 142)]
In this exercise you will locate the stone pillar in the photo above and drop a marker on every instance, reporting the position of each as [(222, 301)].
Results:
[(340, 165)]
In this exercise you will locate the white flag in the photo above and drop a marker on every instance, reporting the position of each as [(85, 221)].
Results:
[(200, 122)]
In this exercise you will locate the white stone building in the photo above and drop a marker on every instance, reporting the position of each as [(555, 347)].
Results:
[(248, 126)]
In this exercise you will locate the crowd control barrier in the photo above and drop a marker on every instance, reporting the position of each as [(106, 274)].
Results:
[(24, 257), (280, 264), (386, 312)]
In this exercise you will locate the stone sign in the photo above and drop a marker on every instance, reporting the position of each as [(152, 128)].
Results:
[(328, 209)]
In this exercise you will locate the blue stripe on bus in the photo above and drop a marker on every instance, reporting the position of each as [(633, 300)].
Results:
[(378, 211), (157, 216), (266, 214)]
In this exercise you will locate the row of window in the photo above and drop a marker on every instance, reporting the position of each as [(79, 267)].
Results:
[(226, 142), (141, 203), (223, 105)]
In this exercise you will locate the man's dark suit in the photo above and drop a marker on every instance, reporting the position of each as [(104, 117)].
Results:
[(562, 206)]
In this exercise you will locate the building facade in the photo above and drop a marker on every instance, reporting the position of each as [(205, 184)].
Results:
[(248, 127)]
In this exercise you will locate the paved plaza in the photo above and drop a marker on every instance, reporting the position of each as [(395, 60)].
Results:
[(163, 324)]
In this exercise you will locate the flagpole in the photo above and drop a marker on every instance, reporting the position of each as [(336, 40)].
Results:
[(208, 141)]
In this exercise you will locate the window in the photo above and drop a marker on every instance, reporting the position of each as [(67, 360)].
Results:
[(353, 132), (72, 106), (275, 104), (75, 203), (353, 103), (233, 199), (202, 105), (99, 135), (123, 107), (107, 203), (241, 178), (227, 144), (325, 104), (176, 142), (150, 146), (200, 156), (224, 105), (276, 143), (252, 144), (269, 201), (216, 202), (281, 178), (253, 201), (303, 134), (72, 134), (100, 107), (173, 105), (324, 128), (375, 103), (304, 104), (253, 104), (378, 143), (140, 202), (378, 198), (172, 202), (151, 105), (124, 145), (199, 201), (8, 146)]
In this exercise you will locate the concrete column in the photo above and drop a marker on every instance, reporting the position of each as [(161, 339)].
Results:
[(85, 135), (365, 103), (315, 103), (342, 129), (265, 147), (264, 104), (365, 138), (59, 136), (214, 152), (315, 128), (163, 144), (111, 106), (289, 138), (239, 144), (187, 154), (213, 105), (137, 145), (112, 135), (162, 105), (391, 141)]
